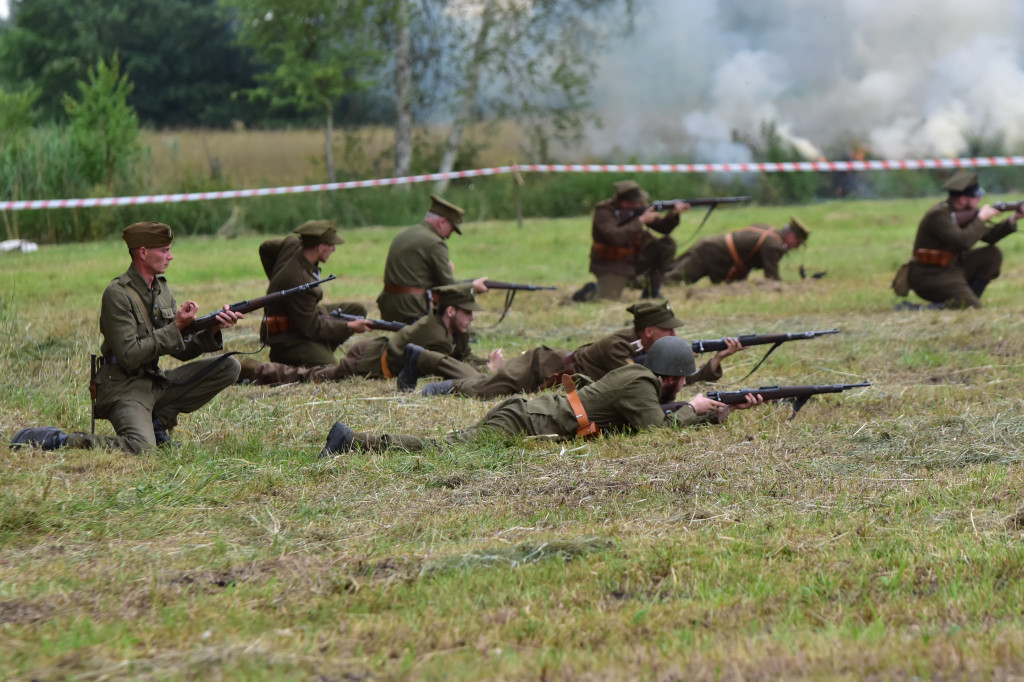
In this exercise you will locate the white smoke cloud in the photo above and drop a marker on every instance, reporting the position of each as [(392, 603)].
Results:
[(910, 78)]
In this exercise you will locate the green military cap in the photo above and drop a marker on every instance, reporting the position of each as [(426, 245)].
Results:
[(324, 230), (448, 210), (148, 234), (799, 228), (653, 314), (629, 190), (459, 295), (964, 183)]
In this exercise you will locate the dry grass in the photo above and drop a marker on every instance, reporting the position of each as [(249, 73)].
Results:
[(876, 536), (270, 158)]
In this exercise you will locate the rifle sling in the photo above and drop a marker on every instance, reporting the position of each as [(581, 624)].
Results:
[(770, 351)]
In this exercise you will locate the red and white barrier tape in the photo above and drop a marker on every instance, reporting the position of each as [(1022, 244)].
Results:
[(788, 167)]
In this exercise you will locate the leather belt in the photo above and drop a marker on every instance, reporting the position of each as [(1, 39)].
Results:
[(385, 369), (587, 428), (399, 289), (616, 253), (278, 323), (938, 257)]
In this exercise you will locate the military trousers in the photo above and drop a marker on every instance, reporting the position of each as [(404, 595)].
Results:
[(188, 388), (955, 283), (524, 373)]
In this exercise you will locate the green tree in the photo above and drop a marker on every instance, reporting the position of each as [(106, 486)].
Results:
[(316, 52), (527, 61), (103, 125), (181, 55)]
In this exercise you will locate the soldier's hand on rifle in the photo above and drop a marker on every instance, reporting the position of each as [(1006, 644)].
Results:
[(186, 314), (496, 360), (360, 326), (680, 208), (226, 318), (1017, 215), (480, 285), (752, 400), (702, 404), (987, 213), (732, 345), (649, 215)]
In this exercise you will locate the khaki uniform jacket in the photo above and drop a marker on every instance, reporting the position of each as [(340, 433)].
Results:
[(939, 229), (430, 333), (626, 399), (711, 257), (418, 257), (595, 360), (138, 327), (632, 236), (313, 331)]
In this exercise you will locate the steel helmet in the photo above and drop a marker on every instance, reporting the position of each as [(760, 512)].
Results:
[(671, 356)]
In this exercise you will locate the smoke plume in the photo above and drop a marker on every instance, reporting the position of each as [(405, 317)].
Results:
[(901, 78)]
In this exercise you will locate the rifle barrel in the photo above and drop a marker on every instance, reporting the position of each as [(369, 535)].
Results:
[(708, 345)]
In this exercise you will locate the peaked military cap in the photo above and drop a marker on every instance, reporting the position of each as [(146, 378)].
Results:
[(799, 229), (448, 210), (964, 183), (629, 190), (654, 314), (460, 295), (148, 234), (324, 230)]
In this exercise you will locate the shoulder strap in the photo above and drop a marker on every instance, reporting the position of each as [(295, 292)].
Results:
[(133, 293), (587, 428)]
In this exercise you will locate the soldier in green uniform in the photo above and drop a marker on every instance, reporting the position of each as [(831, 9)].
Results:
[(539, 368), (626, 399), (623, 247), (299, 329), (140, 322), (435, 344), (731, 257), (944, 268), (418, 261)]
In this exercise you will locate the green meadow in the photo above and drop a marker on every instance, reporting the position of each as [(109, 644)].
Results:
[(878, 535)]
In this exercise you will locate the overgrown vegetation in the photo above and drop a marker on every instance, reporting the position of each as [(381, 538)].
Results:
[(877, 535)]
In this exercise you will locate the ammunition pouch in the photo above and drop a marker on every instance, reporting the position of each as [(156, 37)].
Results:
[(939, 257), (617, 253)]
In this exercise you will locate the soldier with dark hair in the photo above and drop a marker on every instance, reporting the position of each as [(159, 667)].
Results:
[(731, 257), (299, 329), (141, 322), (627, 399), (945, 269)]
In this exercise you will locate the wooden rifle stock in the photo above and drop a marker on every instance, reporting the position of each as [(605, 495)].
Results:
[(798, 394), (209, 320)]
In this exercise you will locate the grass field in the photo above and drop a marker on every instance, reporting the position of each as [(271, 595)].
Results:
[(879, 535)]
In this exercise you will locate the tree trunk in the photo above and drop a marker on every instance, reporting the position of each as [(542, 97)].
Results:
[(403, 93), (329, 143), (468, 94)]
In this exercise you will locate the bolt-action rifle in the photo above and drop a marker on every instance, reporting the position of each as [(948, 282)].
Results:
[(1002, 206), (510, 292), (799, 395), (382, 325), (666, 204), (209, 320), (714, 345)]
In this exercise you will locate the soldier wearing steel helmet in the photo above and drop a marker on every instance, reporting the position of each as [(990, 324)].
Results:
[(625, 400), (299, 329), (731, 257), (944, 268)]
